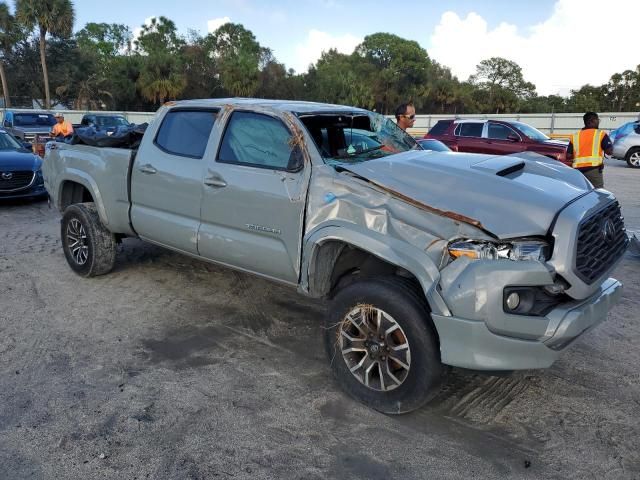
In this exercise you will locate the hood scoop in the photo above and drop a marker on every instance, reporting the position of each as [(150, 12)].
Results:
[(501, 166)]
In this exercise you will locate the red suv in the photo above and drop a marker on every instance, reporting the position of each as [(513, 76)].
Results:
[(497, 137)]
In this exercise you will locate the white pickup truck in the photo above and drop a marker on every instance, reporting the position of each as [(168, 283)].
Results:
[(426, 258)]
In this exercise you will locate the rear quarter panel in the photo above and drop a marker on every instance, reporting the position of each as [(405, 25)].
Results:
[(104, 172)]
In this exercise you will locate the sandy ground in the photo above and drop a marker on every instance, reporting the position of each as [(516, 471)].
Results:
[(170, 368)]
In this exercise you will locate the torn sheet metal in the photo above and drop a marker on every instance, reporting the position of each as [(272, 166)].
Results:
[(344, 198)]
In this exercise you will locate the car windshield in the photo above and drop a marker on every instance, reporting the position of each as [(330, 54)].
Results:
[(7, 142), (33, 120), (354, 137), (532, 133), (111, 121)]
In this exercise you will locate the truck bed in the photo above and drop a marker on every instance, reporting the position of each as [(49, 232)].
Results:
[(103, 171)]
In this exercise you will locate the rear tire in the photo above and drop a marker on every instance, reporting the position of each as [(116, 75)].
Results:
[(89, 247), (633, 157), (392, 366)]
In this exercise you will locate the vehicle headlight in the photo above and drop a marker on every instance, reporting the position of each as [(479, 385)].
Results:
[(513, 250)]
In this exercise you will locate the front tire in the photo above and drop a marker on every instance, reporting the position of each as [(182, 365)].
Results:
[(89, 247), (633, 157), (382, 345)]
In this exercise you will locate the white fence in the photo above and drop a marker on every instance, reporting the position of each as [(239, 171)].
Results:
[(556, 123), (75, 116)]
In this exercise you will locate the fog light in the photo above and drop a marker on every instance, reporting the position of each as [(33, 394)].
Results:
[(513, 300)]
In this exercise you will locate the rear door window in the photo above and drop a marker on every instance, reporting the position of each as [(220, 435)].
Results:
[(256, 140), (186, 132), (469, 130)]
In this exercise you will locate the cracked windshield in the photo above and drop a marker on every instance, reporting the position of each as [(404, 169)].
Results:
[(356, 137)]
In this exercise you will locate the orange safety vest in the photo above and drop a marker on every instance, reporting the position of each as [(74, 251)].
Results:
[(587, 148)]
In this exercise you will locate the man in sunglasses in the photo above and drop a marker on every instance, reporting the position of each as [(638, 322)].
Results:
[(406, 115)]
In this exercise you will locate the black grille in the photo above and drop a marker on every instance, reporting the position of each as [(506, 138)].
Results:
[(18, 180), (602, 240)]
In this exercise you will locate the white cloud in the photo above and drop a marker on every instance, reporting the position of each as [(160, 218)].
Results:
[(215, 23), (317, 42), (581, 42)]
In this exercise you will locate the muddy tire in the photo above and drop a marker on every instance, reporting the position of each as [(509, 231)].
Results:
[(89, 247), (382, 345), (633, 157)]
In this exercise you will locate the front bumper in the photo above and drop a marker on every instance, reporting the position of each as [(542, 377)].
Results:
[(471, 344), (35, 191)]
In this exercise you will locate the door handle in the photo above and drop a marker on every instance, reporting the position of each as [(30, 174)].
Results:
[(215, 181), (148, 169)]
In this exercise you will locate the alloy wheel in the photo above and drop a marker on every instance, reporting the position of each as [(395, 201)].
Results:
[(375, 348), (77, 241)]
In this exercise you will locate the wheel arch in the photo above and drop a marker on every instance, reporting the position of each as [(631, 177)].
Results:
[(78, 187), (333, 251)]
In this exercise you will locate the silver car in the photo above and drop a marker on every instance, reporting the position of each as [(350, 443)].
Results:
[(626, 143)]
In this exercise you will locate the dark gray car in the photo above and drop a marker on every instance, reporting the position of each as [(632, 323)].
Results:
[(26, 125)]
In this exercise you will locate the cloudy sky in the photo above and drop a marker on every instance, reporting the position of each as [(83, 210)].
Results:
[(560, 44)]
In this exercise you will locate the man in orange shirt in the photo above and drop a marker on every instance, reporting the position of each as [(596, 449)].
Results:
[(588, 147), (62, 128)]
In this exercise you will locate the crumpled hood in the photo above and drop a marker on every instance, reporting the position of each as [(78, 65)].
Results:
[(14, 161), (508, 196)]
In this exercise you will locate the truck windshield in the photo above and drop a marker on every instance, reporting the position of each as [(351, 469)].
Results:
[(353, 137), (111, 121), (33, 120)]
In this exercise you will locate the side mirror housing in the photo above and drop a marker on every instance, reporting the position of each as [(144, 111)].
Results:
[(513, 138)]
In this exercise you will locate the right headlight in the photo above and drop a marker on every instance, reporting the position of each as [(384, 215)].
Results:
[(513, 250)]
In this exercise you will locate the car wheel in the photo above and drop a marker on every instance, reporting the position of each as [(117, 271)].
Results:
[(89, 247), (633, 157), (382, 345)]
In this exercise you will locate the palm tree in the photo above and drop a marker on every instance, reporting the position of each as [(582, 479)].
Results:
[(54, 17), (7, 37)]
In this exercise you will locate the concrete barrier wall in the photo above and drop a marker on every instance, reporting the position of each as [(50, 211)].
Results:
[(549, 123), (75, 116)]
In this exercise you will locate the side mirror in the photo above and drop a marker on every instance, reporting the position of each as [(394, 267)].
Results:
[(27, 145), (8, 124), (296, 160), (513, 138)]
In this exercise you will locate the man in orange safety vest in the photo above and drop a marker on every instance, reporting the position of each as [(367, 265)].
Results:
[(588, 147)]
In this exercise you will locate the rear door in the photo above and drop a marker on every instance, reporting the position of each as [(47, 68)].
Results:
[(254, 198), (166, 180), (469, 137), (502, 140)]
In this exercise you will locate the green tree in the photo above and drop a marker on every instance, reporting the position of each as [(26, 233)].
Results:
[(104, 40), (239, 58), (9, 33), (53, 17), (402, 69), (502, 83), (161, 76)]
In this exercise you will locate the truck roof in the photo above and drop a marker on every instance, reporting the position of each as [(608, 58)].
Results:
[(294, 106)]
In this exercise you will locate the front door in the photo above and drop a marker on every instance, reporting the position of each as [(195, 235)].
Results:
[(502, 140), (166, 179), (254, 198)]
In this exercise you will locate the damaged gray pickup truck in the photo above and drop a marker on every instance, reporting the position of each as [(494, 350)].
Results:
[(427, 258)]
